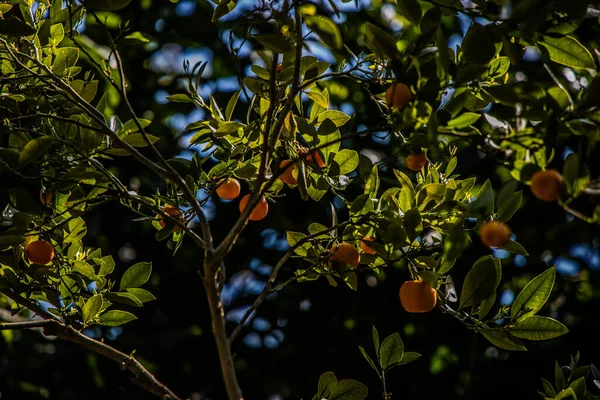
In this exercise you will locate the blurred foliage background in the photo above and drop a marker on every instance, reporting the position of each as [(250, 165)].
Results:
[(307, 328)]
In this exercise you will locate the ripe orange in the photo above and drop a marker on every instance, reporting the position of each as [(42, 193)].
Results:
[(278, 68), (316, 158), (288, 173), (259, 212), (364, 247), (228, 190), (40, 252), (416, 161), (45, 197), (398, 95), (417, 296), (173, 212), (346, 253), (495, 234), (547, 185)]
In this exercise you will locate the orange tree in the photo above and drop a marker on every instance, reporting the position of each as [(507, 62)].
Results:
[(61, 137)]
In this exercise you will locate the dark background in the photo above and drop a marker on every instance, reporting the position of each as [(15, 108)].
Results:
[(309, 328)]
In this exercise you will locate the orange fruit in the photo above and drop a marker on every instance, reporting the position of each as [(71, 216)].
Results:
[(364, 247), (228, 189), (495, 234), (278, 68), (259, 212), (173, 212), (40, 252), (346, 253), (45, 197), (287, 175), (416, 161), (547, 185), (398, 95), (417, 296), (316, 158)]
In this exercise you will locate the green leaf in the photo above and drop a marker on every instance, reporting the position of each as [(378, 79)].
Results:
[(409, 357), (138, 140), (391, 351), (223, 8), (413, 223), (131, 126), (481, 281), (327, 30), (380, 41), (567, 394), (368, 358), (34, 149), (348, 389), (142, 294), (559, 377), (124, 298), (274, 42), (77, 230), (116, 318), (486, 306), (107, 265), (568, 51), (376, 341), (498, 67), (84, 268), (91, 308), (347, 160), (136, 276), (538, 328), (504, 340), (231, 104), (534, 295), (548, 389), (515, 248), (508, 208), (337, 117), (372, 184), (180, 98), (326, 382), (464, 120), (138, 37), (403, 179), (411, 10), (318, 98), (484, 204)]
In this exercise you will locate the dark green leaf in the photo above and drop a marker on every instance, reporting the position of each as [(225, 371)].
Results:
[(380, 41), (408, 357), (326, 382), (223, 8), (124, 298), (34, 149), (368, 358), (508, 208), (327, 30), (504, 340), (538, 328), (534, 295), (481, 281), (348, 389), (391, 351), (411, 10), (567, 50), (274, 42), (478, 46)]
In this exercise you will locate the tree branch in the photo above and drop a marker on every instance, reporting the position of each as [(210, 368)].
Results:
[(53, 327)]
